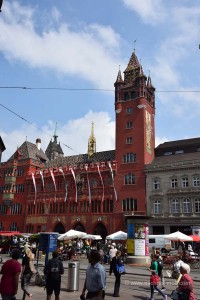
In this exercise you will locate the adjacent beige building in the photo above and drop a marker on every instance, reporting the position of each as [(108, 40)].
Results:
[(173, 188)]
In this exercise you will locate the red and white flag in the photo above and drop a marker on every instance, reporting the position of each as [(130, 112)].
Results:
[(72, 171), (65, 181), (111, 171), (34, 184), (42, 177), (101, 182), (88, 182), (53, 178)]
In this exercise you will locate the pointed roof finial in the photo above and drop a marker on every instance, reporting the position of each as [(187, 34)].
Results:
[(119, 75), (55, 136), (134, 46)]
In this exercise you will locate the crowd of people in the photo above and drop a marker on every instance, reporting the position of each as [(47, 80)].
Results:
[(95, 283)]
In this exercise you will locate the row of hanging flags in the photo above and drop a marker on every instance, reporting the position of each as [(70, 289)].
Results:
[(74, 177)]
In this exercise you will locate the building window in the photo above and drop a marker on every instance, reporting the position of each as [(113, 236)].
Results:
[(1, 226), (16, 209), (129, 125), (185, 182), (187, 206), (129, 140), (129, 178), (197, 205), (129, 204), (157, 207), (20, 172), (129, 110), (13, 227), (175, 206), (174, 183), (156, 184), (129, 157), (196, 181)]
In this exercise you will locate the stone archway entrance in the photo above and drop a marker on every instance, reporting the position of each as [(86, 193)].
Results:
[(79, 227), (100, 229), (59, 228)]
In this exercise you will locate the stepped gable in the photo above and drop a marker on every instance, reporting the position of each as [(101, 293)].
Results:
[(29, 151), (82, 159)]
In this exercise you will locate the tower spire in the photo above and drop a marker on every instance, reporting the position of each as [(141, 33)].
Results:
[(55, 135), (92, 142)]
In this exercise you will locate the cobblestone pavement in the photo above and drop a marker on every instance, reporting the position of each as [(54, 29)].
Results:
[(134, 285)]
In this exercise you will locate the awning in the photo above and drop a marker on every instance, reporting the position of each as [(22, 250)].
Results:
[(9, 233)]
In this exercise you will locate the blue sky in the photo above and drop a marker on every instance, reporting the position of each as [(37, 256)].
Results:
[(78, 44)]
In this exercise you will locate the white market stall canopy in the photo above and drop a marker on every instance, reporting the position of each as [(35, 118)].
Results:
[(92, 237), (119, 235), (178, 236), (71, 234)]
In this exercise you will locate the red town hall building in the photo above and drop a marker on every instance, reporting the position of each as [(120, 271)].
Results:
[(94, 192)]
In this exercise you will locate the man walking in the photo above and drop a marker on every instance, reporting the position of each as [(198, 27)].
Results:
[(95, 281), (10, 276), (53, 271)]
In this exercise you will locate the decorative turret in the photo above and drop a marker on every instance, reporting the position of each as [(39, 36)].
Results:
[(91, 143), (54, 149)]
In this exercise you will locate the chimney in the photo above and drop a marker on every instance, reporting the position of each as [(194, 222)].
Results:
[(38, 144)]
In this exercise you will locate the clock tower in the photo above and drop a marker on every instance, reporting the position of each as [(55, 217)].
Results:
[(135, 137)]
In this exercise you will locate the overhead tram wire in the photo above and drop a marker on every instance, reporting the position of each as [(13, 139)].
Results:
[(89, 89), (54, 88), (30, 123)]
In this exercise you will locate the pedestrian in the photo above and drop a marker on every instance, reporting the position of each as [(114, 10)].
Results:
[(26, 272), (95, 281), (185, 285), (160, 271), (154, 278), (112, 253), (10, 276), (117, 260), (53, 271)]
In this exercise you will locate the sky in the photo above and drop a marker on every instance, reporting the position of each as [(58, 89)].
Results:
[(59, 61)]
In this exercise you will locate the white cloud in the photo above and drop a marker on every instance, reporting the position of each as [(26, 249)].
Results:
[(63, 50), (75, 134), (160, 140), (151, 11)]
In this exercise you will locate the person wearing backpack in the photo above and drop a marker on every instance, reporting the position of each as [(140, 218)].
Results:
[(160, 271), (53, 271)]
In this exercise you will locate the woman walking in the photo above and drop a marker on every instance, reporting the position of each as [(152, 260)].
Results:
[(186, 286), (26, 272), (116, 260)]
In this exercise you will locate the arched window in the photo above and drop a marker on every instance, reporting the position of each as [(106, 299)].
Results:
[(175, 206), (187, 206), (157, 207)]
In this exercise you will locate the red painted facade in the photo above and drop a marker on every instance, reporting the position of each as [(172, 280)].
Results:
[(92, 201)]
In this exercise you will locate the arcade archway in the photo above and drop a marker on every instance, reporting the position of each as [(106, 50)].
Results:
[(59, 228), (79, 227), (100, 229)]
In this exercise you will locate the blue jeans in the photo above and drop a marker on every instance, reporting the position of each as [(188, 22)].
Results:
[(155, 287)]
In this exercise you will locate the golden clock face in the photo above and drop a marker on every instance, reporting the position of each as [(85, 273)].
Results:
[(148, 132)]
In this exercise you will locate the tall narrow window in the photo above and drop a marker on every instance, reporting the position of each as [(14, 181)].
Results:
[(187, 206), (185, 182), (175, 206), (196, 181), (156, 184), (129, 125), (174, 183), (129, 140), (157, 207), (129, 179), (197, 205), (129, 157)]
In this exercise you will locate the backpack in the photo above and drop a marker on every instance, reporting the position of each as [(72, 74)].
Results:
[(160, 266), (53, 269)]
